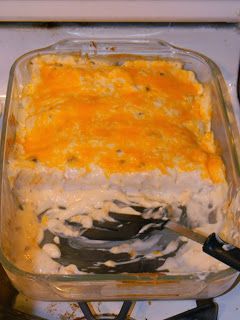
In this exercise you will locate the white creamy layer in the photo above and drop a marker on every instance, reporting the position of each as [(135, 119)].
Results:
[(80, 196), (82, 192)]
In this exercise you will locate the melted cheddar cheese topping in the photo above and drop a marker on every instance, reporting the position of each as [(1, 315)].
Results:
[(132, 116)]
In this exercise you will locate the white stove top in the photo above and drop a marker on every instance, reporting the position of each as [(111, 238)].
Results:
[(120, 10), (229, 308), (219, 42)]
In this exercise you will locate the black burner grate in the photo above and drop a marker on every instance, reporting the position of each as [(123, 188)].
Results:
[(205, 310)]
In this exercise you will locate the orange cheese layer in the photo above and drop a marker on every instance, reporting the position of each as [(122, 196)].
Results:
[(131, 117)]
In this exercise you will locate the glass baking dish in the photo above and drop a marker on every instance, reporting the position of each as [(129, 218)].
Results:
[(140, 286)]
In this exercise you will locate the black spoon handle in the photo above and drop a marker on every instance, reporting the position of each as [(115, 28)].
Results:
[(223, 251)]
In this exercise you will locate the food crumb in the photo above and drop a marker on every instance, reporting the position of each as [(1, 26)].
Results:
[(52, 250), (56, 240), (110, 263), (68, 316)]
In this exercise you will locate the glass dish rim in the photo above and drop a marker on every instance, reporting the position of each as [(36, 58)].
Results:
[(62, 47)]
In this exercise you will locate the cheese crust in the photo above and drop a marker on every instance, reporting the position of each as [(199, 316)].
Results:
[(133, 116)]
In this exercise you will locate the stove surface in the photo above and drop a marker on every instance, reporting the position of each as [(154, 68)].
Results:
[(229, 308), (220, 42)]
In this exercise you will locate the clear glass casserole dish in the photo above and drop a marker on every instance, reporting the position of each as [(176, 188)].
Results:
[(125, 286)]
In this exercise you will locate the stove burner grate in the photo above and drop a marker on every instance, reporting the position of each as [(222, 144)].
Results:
[(205, 310)]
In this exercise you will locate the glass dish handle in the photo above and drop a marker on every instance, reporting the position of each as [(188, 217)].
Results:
[(73, 44), (66, 44)]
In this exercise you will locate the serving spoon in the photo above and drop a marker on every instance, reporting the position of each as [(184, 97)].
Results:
[(132, 226)]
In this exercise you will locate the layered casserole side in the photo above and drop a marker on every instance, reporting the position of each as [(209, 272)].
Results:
[(96, 135)]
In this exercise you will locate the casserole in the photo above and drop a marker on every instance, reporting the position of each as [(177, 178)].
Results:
[(131, 286)]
